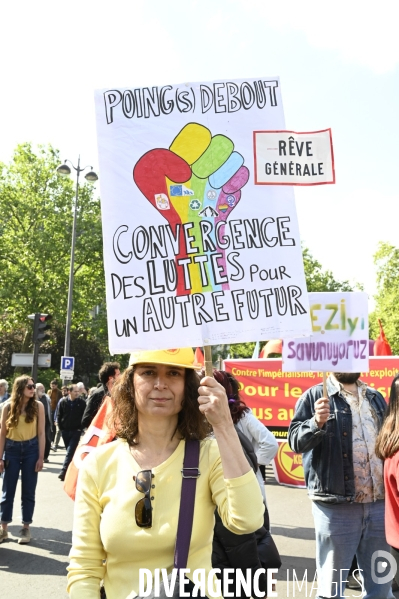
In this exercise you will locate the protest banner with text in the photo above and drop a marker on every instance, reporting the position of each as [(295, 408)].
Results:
[(339, 339), (273, 393), (194, 248)]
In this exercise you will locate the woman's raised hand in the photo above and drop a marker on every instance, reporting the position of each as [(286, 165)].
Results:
[(213, 402)]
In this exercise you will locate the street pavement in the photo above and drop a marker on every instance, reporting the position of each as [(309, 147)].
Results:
[(37, 570), (293, 532)]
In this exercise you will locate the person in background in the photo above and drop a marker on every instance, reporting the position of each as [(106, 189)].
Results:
[(21, 450), (91, 390), (4, 395), (256, 550), (387, 448), (48, 424), (69, 418), (262, 440), (344, 476), (109, 373), (82, 390), (55, 395), (56, 443)]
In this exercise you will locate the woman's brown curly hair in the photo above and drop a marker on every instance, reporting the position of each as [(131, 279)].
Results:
[(16, 400), (124, 420)]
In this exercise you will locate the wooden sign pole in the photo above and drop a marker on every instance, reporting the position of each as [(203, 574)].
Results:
[(324, 385), (208, 360)]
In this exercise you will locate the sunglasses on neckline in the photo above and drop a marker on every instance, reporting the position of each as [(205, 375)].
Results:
[(143, 510)]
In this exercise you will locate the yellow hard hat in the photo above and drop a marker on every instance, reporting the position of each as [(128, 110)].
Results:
[(183, 357)]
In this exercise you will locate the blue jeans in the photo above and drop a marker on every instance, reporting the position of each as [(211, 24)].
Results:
[(71, 441), (343, 530), (20, 456)]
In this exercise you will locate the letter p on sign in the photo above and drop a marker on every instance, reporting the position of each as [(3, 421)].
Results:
[(67, 363)]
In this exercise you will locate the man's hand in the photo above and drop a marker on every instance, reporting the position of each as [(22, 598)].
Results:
[(322, 411)]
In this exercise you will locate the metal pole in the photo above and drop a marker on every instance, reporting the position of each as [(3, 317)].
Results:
[(70, 288), (35, 347)]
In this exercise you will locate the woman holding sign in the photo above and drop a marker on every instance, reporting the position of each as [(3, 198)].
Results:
[(128, 524)]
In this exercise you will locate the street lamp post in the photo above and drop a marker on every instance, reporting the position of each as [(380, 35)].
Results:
[(64, 170)]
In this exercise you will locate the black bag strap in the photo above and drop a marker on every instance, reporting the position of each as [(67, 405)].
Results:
[(190, 473)]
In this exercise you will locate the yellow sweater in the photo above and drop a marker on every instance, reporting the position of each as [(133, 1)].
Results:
[(105, 526)]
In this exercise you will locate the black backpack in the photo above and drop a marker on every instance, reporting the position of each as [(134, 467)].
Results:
[(267, 550)]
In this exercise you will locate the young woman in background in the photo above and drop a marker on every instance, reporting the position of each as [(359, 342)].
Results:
[(22, 442)]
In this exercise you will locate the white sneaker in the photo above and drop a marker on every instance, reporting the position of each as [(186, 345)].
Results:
[(3, 535), (24, 536)]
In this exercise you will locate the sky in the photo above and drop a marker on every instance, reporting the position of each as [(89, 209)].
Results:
[(338, 64)]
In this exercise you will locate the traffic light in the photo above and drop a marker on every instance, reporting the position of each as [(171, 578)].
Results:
[(40, 326)]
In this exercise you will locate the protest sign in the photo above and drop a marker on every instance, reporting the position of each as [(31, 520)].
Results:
[(288, 467), (194, 248), (290, 158), (272, 395), (98, 433), (340, 335)]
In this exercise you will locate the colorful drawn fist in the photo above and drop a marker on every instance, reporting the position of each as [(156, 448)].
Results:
[(198, 178)]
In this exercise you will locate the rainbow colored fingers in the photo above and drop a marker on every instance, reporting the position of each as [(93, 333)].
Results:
[(199, 178)]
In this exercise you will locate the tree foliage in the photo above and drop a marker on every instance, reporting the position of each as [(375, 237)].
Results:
[(35, 241), (37, 208), (10, 342), (386, 260)]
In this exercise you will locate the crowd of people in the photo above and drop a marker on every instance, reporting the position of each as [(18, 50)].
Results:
[(169, 418)]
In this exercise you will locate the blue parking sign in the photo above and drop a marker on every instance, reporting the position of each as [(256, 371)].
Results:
[(67, 363)]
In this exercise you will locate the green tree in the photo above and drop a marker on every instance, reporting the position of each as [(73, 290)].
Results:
[(35, 241), (386, 260), (10, 342), (243, 350)]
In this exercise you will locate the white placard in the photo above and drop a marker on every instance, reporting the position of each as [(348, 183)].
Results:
[(291, 158), (26, 360), (340, 337), (67, 375), (195, 252)]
